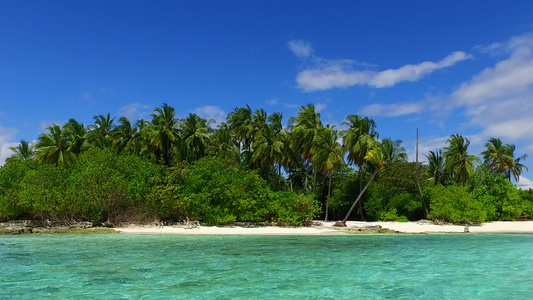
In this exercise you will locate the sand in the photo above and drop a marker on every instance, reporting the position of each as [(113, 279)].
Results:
[(326, 228)]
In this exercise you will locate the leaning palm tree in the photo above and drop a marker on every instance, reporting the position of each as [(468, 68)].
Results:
[(374, 157), (327, 154), (54, 147), (458, 162), (436, 167), (23, 151), (358, 139)]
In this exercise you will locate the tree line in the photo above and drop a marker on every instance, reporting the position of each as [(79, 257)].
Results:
[(252, 168)]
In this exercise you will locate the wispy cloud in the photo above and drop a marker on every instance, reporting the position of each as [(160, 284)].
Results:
[(300, 48), (272, 101), (391, 110), (6, 141), (320, 107), (211, 112), (341, 73), (135, 111)]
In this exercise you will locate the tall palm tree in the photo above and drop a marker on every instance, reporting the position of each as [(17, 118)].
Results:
[(393, 151), (290, 159), (23, 151), (359, 138), (458, 162), (54, 147), (327, 153), (374, 157), (239, 121), (164, 132), (195, 134), (304, 128), (268, 148), (436, 166)]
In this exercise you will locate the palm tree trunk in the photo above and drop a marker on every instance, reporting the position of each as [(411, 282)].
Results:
[(329, 195), (290, 179), (360, 189), (314, 179), (306, 179), (279, 176), (483, 178), (359, 197), (417, 177)]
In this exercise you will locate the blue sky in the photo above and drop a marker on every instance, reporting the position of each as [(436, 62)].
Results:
[(444, 67)]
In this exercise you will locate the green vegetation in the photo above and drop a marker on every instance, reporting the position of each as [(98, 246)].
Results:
[(254, 169)]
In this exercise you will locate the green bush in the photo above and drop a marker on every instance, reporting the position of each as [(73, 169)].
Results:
[(11, 175), (454, 204)]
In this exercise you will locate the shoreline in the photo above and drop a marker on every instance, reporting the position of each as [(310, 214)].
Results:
[(327, 228)]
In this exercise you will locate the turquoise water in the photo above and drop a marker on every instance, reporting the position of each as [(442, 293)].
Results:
[(266, 267)]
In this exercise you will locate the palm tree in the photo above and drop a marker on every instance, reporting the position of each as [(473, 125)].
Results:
[(514, 167), (164, 132), (436, 166), (375, 157), (77, 134), (393, 151), (458, 162), (125, 136), (268, 148), (495, 158), (54, 147), (359, 138), (289, 159), (327, 153), (23, 151), (195, 136), (239, 121), (222, 143), (304, 128), (100, 132)]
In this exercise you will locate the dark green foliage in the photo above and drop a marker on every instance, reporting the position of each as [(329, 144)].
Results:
[(11, 176), (500, 198)]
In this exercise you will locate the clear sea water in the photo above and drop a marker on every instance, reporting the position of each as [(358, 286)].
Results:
[(459, 266)]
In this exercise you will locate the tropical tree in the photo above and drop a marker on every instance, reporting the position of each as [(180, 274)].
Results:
[(436, 167), (125, 136), (268, 148), (327, 154), (222, 144), (393, 151), (458, 162), (23, 151), (164, 133), (375, 157), (496, 159), (359, 138), (514, 167), (54, 147), (195, 134), (304, 128), (100, 133), (77, 134)]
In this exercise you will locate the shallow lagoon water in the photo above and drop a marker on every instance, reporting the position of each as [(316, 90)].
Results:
[(458, 266)]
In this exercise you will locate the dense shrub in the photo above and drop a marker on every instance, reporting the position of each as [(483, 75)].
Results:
[(454, 204)]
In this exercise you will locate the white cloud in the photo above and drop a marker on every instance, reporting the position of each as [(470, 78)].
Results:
[(340, 73), (391, 110), (320, 107), (424, 146), (525, 183), (300, 48), (272, 101), (6, 136), (211, 112), (291, 105), (135, 111), (43, 125)]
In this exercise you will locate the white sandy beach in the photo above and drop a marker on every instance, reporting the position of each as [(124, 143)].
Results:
[(326, 228)]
